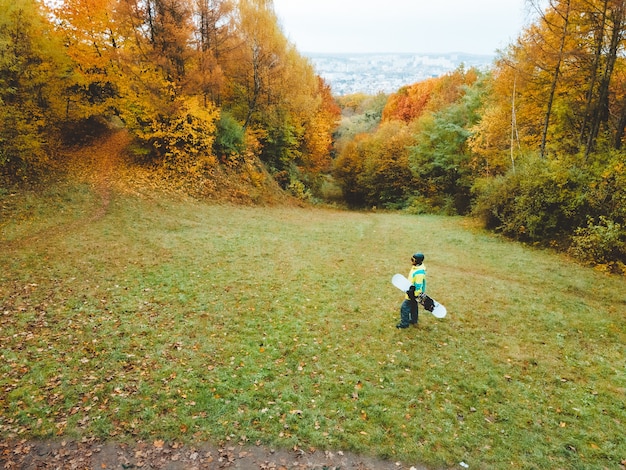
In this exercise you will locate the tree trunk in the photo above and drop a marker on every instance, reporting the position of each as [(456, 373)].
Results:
[(620, 128), (593, 75), (555, 79), (601, 111)]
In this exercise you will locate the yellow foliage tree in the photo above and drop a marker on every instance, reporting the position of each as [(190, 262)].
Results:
[(91, 40), (167, 68), (318, 137), (33, 74), (562, 77)]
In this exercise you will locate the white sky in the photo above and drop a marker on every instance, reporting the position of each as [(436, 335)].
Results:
[(472, 26)]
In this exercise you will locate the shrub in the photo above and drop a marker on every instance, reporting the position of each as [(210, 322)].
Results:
[(602, 243), (541, 201), (182, 139), (230, 137)]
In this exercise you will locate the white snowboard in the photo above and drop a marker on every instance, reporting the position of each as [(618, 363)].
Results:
[(403, 284)]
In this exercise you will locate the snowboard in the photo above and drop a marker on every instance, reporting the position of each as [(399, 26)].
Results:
[(427, 302)]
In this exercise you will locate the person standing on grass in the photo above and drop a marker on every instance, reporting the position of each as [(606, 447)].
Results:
[(417, 277)]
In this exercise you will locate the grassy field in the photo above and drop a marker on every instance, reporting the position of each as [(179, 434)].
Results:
[(177, 320)]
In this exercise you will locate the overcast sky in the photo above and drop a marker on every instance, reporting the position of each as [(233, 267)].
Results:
[(473, 26)]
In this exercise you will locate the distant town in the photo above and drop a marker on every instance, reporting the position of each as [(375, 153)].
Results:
[(386, 73)]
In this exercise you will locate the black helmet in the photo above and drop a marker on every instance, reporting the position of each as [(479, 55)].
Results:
[(418, 258)]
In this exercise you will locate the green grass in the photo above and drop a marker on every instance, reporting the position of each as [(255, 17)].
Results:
[(173, 319)]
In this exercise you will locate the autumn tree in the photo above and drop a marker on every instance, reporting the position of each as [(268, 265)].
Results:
[(33, 73), (153, 70), (321, 124), (312, 108), (374, 169), (419, 150), (557, 99), (214, 24), (562, 26), (494, 139), (409, 102), (258, 61), (91, 40), (413, 101), (191, 80), (441, 160), (348, 169), (170, 37), (360, 113), (609, 26), (562, 69), (387, 180), (618, 110), (274, 93)]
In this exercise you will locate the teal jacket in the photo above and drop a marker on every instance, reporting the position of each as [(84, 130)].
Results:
[(417, 276)]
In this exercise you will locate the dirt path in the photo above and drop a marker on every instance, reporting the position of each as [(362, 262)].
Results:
[(90, 454), (106, 158), (96, 165)]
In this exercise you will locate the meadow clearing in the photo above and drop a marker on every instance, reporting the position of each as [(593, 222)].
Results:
[(163, 318)]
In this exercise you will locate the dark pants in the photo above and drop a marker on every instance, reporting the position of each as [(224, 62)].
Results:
[(408, 312)]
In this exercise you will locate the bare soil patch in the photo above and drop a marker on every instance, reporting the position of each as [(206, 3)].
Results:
[(92, 454)]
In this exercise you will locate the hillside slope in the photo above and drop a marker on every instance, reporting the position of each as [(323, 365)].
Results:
[(106, 164), (165, 321)]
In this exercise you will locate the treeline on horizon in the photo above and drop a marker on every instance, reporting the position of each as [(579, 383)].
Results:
[(533, 146)]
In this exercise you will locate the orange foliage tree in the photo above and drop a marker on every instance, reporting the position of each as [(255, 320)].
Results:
[(277, 97), (169, 68), (562, 76), (413, 151), (214, 24), (318, 138), (430, 95), (409, 102), (374, 168)]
